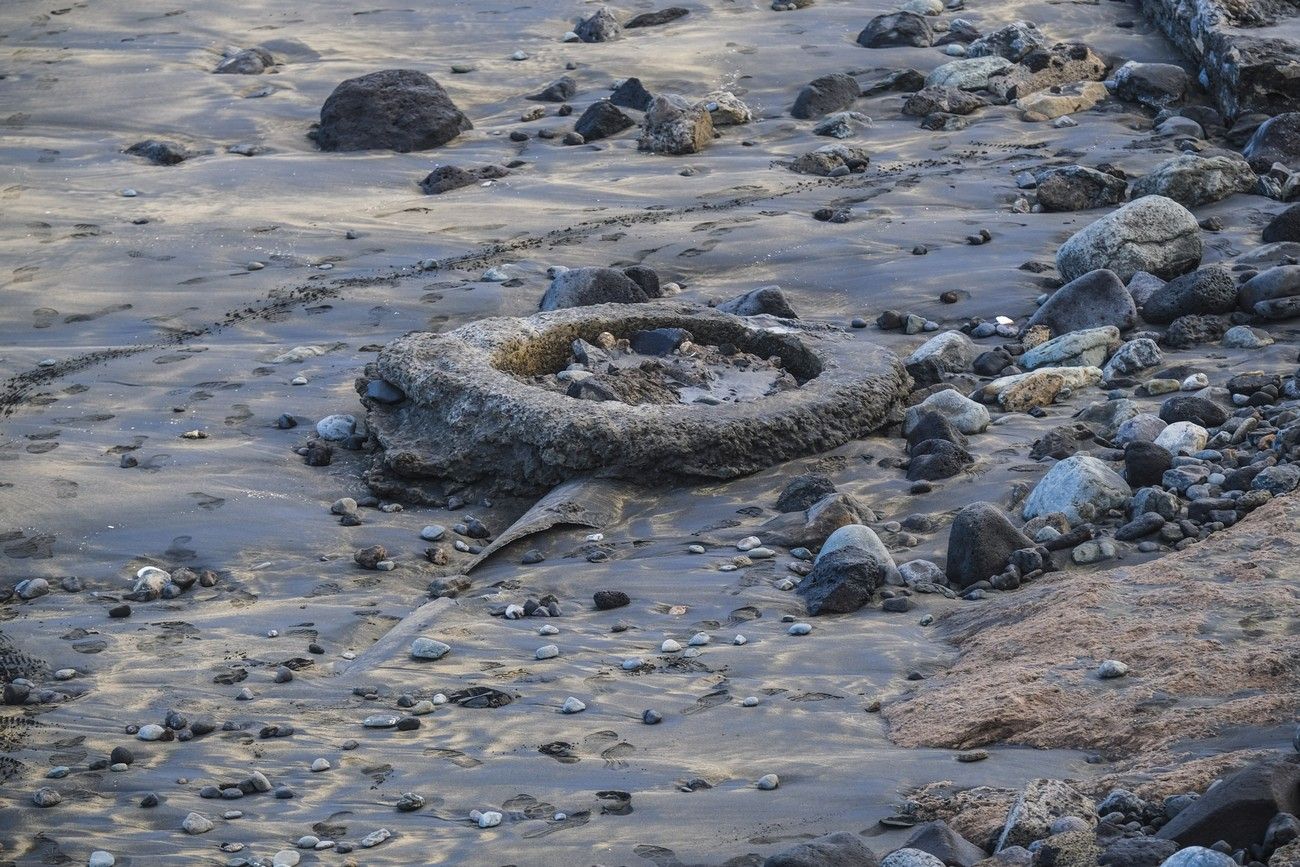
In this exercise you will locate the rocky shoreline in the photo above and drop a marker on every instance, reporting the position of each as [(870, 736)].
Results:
[(318, 549)]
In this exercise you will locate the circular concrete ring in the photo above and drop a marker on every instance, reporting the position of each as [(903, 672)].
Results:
[(470, 419)]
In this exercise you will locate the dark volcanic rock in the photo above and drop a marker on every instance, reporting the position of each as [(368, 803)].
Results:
[(842, 581), (658, 17), (446, 178), (602, 120), (580, 287), (1189, 407), (1276, 141), (834, 92), (1284, 227), (945, 844), (1207, 290), (895, 30), (160, 153), (1188, 331), (631, 94), (562, 89), (1239, 809), (396, 109), (1145, 464), (1093, 300), (937, 459), (980, 544), (803, 491), (607, 600), (1078, 188), (1137, 852)]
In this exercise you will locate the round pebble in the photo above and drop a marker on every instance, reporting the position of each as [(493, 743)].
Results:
[(767, 782)]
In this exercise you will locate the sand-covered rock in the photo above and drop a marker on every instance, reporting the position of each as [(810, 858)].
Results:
[(396, 109), (1152, 234), (675, 126)]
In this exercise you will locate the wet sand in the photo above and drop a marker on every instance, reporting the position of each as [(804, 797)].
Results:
[(158, 328)]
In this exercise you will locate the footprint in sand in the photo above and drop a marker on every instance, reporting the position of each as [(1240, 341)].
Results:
[(240, 415), (658, 855), (573, 820), (743, 615), (64, 489), (456, 757), (529, 807), (707, 702), (207, 501), (43, 317)]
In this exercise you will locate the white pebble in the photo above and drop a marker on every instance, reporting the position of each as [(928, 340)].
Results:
[(548, 629), (233, 814), (489, 819), (285, 858), (572, 705), (560, 817), (800, 629), (748, 543), (632, 663), (1112, 668), (100, 858), (519, 55), (750, 701), (320, 765), (129, 193), (514, 612), (547, 651), (439, 698), (739, 640), (65, 674), (272, 633), (699, 639), (150, 732), (596, 537), (696, 549), (767, 782), (669, 646)]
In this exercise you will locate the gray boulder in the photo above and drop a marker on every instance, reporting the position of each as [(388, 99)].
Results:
[(896, 30), (1090, 300), (1087, 348), (966, 415), (1132, 358), (948, 100), (769, 300), (1143, 285), (951, 350), (1192, 180), (821, 96), (835, 850), (1238, 809), (1152, 234), (980, 543), (1155, 85), (1078, 188), (1137, 852), (600, 27), (857, 536), (1143, 427), (908, 857), (1276, 141), (675, 126), (1041, 802), (579, 287), (1273, 294), (1080, 487), (1207, 290), (969, 73), (1198, 856), (1014, 42)]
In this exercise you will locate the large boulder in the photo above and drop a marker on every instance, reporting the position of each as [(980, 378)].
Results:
[(1192, 180), (600, 27), (1276, 141), (896, 30), (1022, 392), (951, 350), (1155, 85), (980, 543), (1059, 101), (1238, 810), (1088, 348), (674, 126), (1013, 42), (830, 93), (1207, 290), (1152, 234), (1132, 358), (835, 850), (936, 459), (1091, 300), (969, 73), (842, 581), (801, 492), (631, 93), (857, 536), (602, 120), (960, 411), (580, 287), (948, 100), (396, 109), (1080, 487), (1191, 407), (1273, 294), (1078, 188)]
